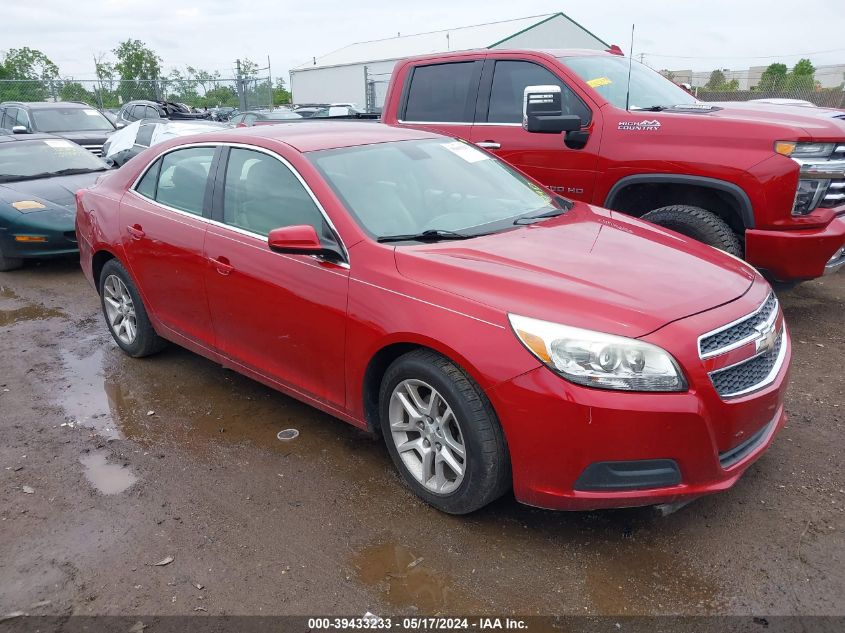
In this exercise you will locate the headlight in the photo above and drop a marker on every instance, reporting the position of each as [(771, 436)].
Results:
[(808, 196), (595, 359), (804, 150)]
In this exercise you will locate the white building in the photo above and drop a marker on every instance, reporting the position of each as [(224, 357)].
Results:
[(350, 73)]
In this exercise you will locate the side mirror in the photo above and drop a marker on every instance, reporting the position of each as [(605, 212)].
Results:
[(542, 111), (19, 129), (301, 239)]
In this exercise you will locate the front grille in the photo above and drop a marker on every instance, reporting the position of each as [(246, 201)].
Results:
[(70, 235), (97, 150), (740, 451), (838, 153), (738, 333), (748, 375), (835, 194)]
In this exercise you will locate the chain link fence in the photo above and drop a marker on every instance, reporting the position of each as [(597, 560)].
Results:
[(376, 89), (245, 94), (824, 97)]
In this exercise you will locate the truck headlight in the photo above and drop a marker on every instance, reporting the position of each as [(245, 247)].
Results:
[(809, 194), (794, 149), (595, 359)]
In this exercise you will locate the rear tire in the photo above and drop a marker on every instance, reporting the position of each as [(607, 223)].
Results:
[(428, 402), (699, 224), (9, 263), (125, 314)]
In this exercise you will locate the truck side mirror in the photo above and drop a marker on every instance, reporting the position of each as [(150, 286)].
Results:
[(542, 111)]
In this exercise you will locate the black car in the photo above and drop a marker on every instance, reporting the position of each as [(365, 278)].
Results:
[(143, 109), (39, 177), (77, 122)]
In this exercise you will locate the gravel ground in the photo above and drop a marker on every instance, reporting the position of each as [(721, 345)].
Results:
[(109, 465)]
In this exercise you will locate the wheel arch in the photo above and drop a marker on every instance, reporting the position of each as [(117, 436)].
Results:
[(632, 194), (387, 352), (98, 261)]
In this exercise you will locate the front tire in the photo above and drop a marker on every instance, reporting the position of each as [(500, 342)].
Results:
[(125, 314), (442, 433), (699, 224), (9, 263)]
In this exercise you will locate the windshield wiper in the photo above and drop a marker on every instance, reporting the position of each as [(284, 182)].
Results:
[(654, 108), (50, 174), (565, 205), (431, 235)]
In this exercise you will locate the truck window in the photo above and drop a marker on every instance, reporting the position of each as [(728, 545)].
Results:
[(509, 81), (439, 93)]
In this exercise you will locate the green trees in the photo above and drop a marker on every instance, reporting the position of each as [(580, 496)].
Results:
[(719, 83), (34, 71), (773, 78), (139, 68)]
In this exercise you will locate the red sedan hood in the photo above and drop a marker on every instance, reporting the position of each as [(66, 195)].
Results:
[(589, 268)]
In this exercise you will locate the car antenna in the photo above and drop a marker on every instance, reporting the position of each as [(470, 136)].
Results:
[(630, 65)]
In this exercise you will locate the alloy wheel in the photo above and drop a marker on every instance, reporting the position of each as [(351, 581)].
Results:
[(427, 436), (120, 309)]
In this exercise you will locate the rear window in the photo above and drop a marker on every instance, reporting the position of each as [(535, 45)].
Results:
[(442, 93)]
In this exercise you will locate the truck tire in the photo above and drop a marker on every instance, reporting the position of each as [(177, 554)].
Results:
[(9, 263), (699, 224), (442, 433)]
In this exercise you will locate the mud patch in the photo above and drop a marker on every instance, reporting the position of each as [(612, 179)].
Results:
[(106, 478), (29, 312), (405, 579)]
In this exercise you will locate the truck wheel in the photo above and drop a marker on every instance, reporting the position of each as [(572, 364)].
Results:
[(442, 433), (699, 224), (9, 263)]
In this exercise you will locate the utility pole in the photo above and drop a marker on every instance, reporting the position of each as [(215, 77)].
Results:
[(99, 81), (239, 82), (270, 82)]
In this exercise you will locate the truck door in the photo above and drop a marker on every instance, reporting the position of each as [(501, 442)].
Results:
[(440, 97), (568, 170)]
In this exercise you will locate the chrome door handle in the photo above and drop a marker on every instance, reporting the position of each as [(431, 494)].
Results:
[(135, 231), (222, 265), (489, 144)]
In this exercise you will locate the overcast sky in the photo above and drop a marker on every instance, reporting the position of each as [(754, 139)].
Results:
[(211, 34)]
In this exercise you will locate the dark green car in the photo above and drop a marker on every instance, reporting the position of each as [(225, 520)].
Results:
[(39, 177)]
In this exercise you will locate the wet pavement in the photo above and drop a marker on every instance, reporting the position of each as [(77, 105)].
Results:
[(132, 461)]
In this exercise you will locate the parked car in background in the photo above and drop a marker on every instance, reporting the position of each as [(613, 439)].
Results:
[(265, 117), (793, 102), (77, 122), (307, 110), (223, 113), (414, 285), (763, 182), (337, 111), (111, 115), (39, 175), (143, 109), (138, 136)]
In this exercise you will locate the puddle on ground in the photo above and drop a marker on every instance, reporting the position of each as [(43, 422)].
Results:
[(403, 580), (26, 313), (107, 478), (86, 396)]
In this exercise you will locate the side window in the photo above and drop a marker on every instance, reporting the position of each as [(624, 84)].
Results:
[(147, 186), (262, 194), (440, 93), (152, 113), (509, 81), (249, 119), (7, 118), (126, 113), (182, 178), (145, 135)]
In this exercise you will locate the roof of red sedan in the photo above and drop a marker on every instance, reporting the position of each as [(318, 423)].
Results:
[(308, 136)]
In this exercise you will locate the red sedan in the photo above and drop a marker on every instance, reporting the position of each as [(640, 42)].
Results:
[(497, 336)]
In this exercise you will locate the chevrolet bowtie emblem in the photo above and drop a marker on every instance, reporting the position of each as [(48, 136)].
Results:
[(767, 338)]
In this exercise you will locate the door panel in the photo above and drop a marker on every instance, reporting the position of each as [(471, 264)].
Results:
[(498, 128), (164, 246), (281, 315)]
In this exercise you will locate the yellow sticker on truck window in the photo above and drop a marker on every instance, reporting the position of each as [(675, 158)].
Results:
[(27, 205), (598, 82)]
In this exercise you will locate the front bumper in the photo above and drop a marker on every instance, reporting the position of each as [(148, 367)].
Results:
[(558, 431), (56, 244), (794, 255)]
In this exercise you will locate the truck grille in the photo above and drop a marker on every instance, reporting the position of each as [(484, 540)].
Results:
[(738, 333), (835, 194), (97, 150), (749, 375)]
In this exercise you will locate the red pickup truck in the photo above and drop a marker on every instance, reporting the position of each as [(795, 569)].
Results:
[(763, 182)]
